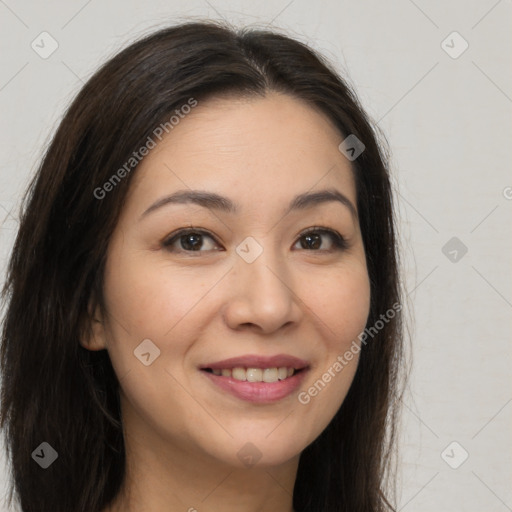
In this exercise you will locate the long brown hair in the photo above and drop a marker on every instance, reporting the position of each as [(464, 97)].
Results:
[(55, 391)]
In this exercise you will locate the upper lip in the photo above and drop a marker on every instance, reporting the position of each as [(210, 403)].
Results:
[(257, 361)]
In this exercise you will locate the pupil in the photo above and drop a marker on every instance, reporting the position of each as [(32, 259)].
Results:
[(193, 241), (315, 239)]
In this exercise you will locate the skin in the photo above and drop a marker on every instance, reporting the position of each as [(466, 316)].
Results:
[(182, 433)]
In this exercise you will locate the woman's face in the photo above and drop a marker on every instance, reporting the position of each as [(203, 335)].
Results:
[(249, 284)]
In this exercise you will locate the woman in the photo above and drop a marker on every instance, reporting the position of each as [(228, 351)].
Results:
[(203, 297)]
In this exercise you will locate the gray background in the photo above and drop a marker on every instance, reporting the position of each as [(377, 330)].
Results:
[(447, 119)]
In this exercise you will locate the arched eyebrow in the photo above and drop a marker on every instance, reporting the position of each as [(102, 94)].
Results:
[(224, 204)]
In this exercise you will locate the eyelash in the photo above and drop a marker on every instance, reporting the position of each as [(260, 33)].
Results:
[(339, 243)]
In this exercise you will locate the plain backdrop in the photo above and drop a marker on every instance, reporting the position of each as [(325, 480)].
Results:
[(436, 79)]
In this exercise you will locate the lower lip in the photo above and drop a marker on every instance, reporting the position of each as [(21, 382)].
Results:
[(258, 392)]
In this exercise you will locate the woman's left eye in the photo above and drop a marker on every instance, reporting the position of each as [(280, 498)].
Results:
[(312, 239)]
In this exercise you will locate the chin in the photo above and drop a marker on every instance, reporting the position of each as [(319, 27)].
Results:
[(260, 450)]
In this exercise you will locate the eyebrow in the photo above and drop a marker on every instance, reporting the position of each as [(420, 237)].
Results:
[(224, 204)]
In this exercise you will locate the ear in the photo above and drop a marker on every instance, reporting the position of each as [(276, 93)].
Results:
[(95, 336)]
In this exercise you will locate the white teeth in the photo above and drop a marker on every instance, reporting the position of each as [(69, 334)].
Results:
[(270, 375), (239, 374), (282, 373), (256, 374)]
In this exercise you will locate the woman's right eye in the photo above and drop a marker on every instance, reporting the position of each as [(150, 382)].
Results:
[(188, 240)]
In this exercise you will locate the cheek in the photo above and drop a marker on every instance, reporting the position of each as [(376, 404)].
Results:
[(153, 298), (154, 302), (342, 302), (341, 305), (148, 299)]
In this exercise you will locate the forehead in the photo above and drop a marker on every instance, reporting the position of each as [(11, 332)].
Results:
[(257, 150)]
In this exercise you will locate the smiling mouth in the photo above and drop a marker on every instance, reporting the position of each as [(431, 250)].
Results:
[(255, 374), (257, 385)]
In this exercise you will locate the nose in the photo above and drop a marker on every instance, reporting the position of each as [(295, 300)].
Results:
[(262, 295)]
